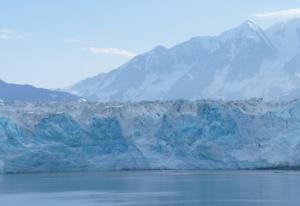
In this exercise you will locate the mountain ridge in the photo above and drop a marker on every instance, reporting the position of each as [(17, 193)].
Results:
[(18, 92), (232, 65)]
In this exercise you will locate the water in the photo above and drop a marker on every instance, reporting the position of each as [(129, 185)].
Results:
[(143, 188)]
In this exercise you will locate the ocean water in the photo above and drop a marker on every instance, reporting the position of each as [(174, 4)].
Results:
[(143, 188)]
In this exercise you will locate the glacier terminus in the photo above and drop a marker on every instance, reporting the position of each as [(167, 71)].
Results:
[(181, 134)]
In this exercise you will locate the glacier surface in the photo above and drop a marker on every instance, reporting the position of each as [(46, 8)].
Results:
[(206, 134)]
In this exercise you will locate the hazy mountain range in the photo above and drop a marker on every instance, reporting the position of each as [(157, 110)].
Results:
[(16, 92), (243, 62)]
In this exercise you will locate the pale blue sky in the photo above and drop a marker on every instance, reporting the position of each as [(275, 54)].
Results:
[(55, 43)]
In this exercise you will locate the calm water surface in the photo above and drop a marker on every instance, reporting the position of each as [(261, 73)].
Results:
[(144, 188)]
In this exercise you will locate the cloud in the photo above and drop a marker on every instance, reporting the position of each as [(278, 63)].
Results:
[(8, 34), (289, 13), (112, 51)]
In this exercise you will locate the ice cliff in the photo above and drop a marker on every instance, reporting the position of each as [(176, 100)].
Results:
[(85, 136)]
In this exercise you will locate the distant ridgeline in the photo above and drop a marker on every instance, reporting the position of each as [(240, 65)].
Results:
[(56, 137), (16, 92)]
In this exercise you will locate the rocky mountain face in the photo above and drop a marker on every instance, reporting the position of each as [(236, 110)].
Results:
[(244, 62)]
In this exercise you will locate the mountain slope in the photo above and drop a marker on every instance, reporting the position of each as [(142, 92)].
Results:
[(243, 62), (286, 38), (15, 92)]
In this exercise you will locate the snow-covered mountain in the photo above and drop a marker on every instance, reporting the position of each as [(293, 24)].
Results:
[(15, 92), (48, 137), (243, 62), (286, 38)]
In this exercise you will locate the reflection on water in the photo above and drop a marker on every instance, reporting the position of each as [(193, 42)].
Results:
[(207, 188)]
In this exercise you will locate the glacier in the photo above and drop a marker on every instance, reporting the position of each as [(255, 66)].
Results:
[(178, 134)]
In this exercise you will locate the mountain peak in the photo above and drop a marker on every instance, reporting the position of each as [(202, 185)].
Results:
[(251, 24), (159, 48), (248, 29), (232, 65)]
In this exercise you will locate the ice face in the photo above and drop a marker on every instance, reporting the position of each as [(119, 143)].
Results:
[(56, 137)]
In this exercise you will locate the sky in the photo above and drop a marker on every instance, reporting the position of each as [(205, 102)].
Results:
[(56, 43)]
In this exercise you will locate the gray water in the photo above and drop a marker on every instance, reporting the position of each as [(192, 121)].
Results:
[(145, 188)]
